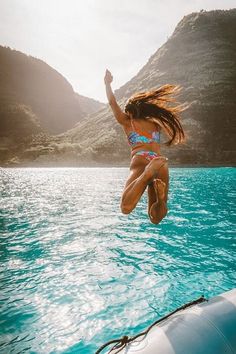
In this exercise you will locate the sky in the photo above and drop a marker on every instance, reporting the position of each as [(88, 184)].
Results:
[(81, 38)]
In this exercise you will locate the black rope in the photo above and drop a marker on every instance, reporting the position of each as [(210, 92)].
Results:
[(121, 342)]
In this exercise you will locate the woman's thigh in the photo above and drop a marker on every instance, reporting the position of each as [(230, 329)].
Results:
[(137, 166)]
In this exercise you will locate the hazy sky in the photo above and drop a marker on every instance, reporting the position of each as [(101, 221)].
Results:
[(81, 38)]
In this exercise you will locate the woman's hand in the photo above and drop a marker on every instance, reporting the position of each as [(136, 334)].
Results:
[(108, 77)]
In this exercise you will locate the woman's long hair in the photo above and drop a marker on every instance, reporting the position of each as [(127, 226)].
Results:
[(152, 105)]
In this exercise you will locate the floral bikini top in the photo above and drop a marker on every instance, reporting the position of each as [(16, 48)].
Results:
[(135, 138)]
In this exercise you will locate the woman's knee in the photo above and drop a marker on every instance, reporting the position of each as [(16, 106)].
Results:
[(125, 208), (156, 219)]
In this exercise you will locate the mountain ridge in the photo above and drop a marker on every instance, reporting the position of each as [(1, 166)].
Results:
[(27, 80), (200, 56)]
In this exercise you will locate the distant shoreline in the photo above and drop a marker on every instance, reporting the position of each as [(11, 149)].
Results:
[(112, 166)]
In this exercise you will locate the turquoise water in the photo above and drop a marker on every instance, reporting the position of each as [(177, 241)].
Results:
[(75, 272)]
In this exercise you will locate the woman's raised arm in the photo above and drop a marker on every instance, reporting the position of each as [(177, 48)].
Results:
[(120, 116)]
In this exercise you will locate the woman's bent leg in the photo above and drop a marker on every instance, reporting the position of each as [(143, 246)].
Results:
[(134, 190), (157, 209)]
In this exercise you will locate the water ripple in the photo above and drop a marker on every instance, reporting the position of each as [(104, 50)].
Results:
[(75, 272)]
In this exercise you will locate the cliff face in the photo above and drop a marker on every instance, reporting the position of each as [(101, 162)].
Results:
[(201, 57), (25, 80)]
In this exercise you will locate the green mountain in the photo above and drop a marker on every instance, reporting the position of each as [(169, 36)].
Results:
[(201, 57), (35, 102), (25, 80)]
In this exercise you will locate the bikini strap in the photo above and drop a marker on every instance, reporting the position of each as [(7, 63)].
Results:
[(136, 130), (132, 124)]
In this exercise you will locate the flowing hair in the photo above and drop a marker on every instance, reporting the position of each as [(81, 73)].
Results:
[(152, 105)]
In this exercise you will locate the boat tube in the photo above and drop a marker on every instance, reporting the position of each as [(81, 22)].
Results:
[(201, 327)]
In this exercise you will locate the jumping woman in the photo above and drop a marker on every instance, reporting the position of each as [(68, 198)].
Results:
[(145, 116)]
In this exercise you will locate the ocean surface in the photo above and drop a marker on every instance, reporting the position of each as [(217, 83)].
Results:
[(75, 272)]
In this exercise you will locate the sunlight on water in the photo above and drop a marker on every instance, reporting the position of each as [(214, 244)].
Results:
[(76, 273)]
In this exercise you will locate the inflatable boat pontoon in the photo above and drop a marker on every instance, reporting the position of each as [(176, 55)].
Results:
[(206, 327)]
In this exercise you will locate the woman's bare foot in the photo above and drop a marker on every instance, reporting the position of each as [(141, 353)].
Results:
[(158, 209), (160, 188), (151, 170)]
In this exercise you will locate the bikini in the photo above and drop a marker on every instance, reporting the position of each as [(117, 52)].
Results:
[(135, 138)]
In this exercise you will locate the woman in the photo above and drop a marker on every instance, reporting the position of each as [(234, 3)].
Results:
[(146, 115)]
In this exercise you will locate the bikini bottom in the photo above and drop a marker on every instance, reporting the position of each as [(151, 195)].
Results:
[(148, 155)]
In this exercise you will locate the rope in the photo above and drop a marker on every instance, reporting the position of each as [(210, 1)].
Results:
[(121, 342)]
